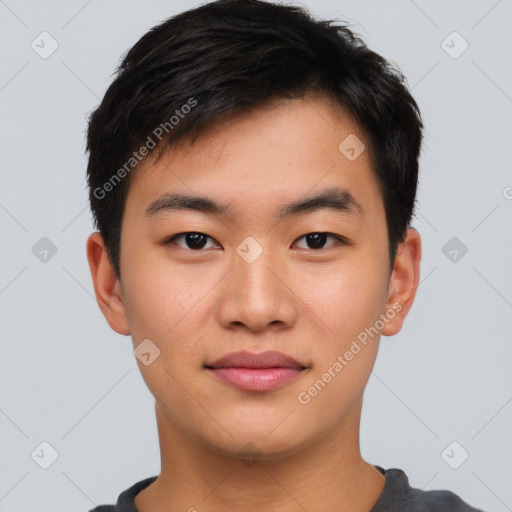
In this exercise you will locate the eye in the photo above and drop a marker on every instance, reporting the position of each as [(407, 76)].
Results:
[(193, 240), (317, 240), (197, 241)]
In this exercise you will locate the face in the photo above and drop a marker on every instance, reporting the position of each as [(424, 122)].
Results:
[(304, 281)]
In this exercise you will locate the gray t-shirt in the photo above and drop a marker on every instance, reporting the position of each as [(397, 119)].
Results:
[(396, 496)]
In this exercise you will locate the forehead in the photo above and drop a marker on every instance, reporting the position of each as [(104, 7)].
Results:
[(272, 154)]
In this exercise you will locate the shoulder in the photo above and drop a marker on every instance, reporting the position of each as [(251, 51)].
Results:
[(398, 496), (126, 500)]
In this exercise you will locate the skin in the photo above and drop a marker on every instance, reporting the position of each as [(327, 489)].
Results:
[(197, 306)]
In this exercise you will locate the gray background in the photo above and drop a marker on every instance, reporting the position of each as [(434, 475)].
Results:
[(66, 378)]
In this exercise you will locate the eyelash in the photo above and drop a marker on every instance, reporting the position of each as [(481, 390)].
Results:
[(341, 240)]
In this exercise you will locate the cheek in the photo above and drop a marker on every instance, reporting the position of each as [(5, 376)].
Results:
[(347, 299), (165, 305), (158, 296), (345, 353), (150, 307)]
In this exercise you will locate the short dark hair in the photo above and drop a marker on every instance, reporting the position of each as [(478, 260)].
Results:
[(227, 57)]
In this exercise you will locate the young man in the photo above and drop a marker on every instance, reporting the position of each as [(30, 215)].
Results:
[(252, 174)]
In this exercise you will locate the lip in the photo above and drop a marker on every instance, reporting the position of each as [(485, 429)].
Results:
[(244, 359), (256, 372)]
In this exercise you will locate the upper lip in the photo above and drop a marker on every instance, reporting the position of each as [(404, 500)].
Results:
[(244, 359)]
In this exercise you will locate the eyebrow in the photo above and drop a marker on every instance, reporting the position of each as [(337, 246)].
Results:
[(335, 198)]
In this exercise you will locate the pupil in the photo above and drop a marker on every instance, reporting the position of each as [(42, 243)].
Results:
[(317, 240), (196, 240)]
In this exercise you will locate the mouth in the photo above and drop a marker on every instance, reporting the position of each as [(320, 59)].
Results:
[(256, 372)]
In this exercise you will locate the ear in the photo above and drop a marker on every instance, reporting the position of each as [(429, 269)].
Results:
[(106, 285), (403, 282)]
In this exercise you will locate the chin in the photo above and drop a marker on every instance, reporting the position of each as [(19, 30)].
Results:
[(250, 446)]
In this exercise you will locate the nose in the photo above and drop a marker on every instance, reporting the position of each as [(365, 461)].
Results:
[(258, 295)]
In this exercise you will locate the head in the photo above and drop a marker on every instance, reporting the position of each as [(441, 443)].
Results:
[(289, 152)]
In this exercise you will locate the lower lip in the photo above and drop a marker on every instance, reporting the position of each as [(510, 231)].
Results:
[(256, 379)]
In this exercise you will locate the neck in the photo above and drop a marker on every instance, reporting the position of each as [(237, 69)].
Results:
[(329, 474)]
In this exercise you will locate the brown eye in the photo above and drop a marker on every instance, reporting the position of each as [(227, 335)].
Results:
[(317, 240), (193, 240)]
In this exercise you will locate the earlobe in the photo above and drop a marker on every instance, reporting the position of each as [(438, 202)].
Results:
[(403, 282), (106, 285)]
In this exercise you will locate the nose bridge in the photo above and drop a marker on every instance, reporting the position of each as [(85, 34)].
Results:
[(257, 281), (257, 297)]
